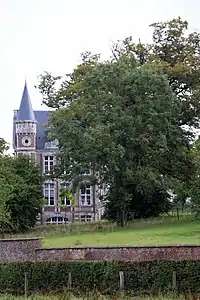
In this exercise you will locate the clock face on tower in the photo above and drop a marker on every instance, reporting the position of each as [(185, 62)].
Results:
[(26, 141)]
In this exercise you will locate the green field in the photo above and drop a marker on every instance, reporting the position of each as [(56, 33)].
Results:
[(160, 231), (166, 231)]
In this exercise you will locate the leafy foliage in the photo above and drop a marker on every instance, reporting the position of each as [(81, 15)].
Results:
[(3, 146), (131, 119), (191, 190), (140, 277), (71, 85), (124, 127), (66, 194), (140, 206), (20, 193), (176, 54)]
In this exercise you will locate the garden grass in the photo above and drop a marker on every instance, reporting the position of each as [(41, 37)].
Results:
[(173, 231)]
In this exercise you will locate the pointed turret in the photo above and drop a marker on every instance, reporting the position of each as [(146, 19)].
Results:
[(26, 112), (25, 125)]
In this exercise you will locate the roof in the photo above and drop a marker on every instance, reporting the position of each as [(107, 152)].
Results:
[(42, 118), (25, 112)]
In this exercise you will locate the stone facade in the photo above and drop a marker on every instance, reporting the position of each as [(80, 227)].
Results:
[(30, 138), (19, 249)]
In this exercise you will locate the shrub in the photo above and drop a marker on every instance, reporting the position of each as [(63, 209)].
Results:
[(139, 278)]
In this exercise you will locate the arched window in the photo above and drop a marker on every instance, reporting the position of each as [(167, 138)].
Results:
[(56, 220)]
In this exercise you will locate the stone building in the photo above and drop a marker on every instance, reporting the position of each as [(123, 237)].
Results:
[(30, 138)]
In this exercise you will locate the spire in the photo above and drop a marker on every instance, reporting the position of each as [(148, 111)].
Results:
[(26, 112)]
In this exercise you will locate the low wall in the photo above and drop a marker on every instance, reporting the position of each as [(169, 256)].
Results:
[(148, 253), (19, 249), (31, 249)]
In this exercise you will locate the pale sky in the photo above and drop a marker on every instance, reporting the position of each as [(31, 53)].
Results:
[(49, 35)]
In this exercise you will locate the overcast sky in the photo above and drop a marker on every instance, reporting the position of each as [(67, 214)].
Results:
[(49, 35)]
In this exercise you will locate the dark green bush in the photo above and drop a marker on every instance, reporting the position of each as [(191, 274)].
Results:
[(139, 278)]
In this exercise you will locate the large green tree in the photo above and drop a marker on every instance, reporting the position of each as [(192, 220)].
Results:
[(124, 127), (20, 193), (5, 173), (130, 119), (174, 51)]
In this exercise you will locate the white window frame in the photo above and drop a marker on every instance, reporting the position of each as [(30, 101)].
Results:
[(88, 172), (64, 185), (56, 220), (85, 198), (85, 218), (48, 163), (49, 190)]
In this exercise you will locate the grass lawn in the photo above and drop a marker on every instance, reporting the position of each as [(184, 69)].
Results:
[(166, 231)]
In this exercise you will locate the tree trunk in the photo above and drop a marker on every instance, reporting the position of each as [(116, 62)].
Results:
[(122, 218), (177, 213), (73, 214)]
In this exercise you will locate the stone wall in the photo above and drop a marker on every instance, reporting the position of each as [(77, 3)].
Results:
[(148, 253), (31, 249), (19, 249)]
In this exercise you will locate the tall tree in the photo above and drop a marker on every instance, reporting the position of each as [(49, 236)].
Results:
[(20, 193), (6, 175), (192, 190), (174, 52), (5, 220), (131, 118), (124, 126), (27, 199)]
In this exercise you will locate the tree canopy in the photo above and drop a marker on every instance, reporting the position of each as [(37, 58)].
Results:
[(130, 119), (20, 193), (3, 146)]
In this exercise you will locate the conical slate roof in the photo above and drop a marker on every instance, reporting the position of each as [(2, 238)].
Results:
[(25, 112)]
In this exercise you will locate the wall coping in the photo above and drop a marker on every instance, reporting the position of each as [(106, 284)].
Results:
[(120, 247), (20, 239)]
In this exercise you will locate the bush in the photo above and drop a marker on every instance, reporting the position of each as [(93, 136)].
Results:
[(140, 278)]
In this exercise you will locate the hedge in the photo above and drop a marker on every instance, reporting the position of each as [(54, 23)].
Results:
[(144, 277)]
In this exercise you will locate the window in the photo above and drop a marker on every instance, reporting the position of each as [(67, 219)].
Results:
[(87, 172), (49, 193), (56, 221), (86, 218), (48, 164), (65, 201), (85, 192)]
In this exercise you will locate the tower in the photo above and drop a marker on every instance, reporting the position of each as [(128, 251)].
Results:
[(25, 127)]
